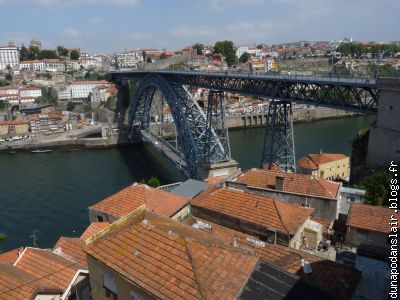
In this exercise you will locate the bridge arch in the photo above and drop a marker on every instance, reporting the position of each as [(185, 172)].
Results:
[(194, 136)]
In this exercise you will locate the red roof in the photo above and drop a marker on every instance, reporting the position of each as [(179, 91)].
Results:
[(135, 195), (338, 279), (306, 163), (93, 229), (293, 183), (172, 261), (11, 256), (312, 161), (269, 213), (13, 122), (91, 82), (71, 248), (369, 217)]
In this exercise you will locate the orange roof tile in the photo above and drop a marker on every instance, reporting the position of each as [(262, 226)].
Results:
[(172, 261), (270, 213), (10, 256), (340, 280), (214, 180), (369, 217), (306, 163), (135, 195), (93, 228), (71, 248), (322, 158), (293, 183), (44, 263), (15, 283)]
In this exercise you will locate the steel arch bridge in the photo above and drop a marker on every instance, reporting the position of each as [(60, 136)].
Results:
[(198, 142), (201, 142)]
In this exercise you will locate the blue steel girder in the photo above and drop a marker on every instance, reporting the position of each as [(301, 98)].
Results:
[(189, 119), (358, 95)]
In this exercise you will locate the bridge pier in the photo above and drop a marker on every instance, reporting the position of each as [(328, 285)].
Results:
[(279, 141), (224, 169), (384, 136)]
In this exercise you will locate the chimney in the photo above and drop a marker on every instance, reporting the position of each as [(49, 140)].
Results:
[(320, 151), (279, 182)]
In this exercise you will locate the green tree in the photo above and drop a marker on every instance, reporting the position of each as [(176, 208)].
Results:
[(74, 55), (244, 57), (377, 187), (2, 238), (70, 106), (47, 54), (8, 77), (33, 52), (62, 51), (227, 49), (153, 182), (23, 53), (199, 48), (2, 105)]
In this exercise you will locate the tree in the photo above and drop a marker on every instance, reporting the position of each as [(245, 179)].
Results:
[(153, 182), (70, 106), (227, 49), (244, 57), (74, 55), (47, 54), (144, 55), (33, 52), (2, 104), (377, 187), (23, 53), (62, 51), (148, 60), (199, 48), (8, 77), (2, 238)]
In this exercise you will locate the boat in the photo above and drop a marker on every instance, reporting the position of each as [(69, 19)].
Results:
[(12, 152), (70, 149), (41, 151)]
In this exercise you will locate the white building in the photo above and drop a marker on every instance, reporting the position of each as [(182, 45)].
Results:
[(129, 59), (242, 49), (9, 56), (33, 92), (80, 90), (32, 65)]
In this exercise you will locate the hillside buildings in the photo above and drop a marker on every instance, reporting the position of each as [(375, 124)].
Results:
[(79, 91)]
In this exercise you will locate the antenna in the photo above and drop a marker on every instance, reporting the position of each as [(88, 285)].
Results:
[(34, 237)]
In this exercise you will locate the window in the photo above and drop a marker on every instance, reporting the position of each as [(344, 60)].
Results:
[(109, 285), (99, 219)]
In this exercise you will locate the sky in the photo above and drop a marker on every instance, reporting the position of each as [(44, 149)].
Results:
[(108, 26)]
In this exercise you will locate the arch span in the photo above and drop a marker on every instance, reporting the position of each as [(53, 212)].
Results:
[(194, 138)]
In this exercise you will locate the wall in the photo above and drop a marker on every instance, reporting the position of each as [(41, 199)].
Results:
[(356, 236), (384, 137), (93, 214), (325, 208), (124, 287), (335, 169)]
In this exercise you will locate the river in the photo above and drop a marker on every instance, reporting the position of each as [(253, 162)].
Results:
[(48, 194)]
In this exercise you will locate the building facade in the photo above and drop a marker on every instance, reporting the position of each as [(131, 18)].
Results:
[(9, 56)]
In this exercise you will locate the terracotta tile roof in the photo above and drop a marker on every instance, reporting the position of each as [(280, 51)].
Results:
[(323, 158), (15, 283), (293, 183), (133, 196), (270, 213), (274, 167), (306, 163), (91, 82), (93, 228), (338, 279), (71, 248), (11, 256), (173, 261), (369, 217), (44, 263), (214, 180)]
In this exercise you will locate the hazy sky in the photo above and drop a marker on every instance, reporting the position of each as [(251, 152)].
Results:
[(114, 25)]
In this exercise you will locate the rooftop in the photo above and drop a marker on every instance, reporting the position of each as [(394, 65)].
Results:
[(180, 262), (369, 217), (71, 248), (11, 256), (190, 188), (312, 161), (292, 183), (93, 229), (135, 195), (270, 213), (337, 279)]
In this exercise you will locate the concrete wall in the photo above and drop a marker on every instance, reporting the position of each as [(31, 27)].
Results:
[(356, 237), (124, 287), (324, 208), (384, 137)]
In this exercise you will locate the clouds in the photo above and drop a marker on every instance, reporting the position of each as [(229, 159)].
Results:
[(71, 33)]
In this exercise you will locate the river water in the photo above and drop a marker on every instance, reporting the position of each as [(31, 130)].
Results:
[(48, 194)]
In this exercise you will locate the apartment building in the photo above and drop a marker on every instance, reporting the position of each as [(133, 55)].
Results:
[(9, 56)]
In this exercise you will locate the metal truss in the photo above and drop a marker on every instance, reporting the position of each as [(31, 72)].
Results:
[(216, 113), (279, 141), (358, 95), (190, 122)]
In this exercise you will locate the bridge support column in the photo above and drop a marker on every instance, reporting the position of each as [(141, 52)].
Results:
[(279, 141), (384, 136)]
